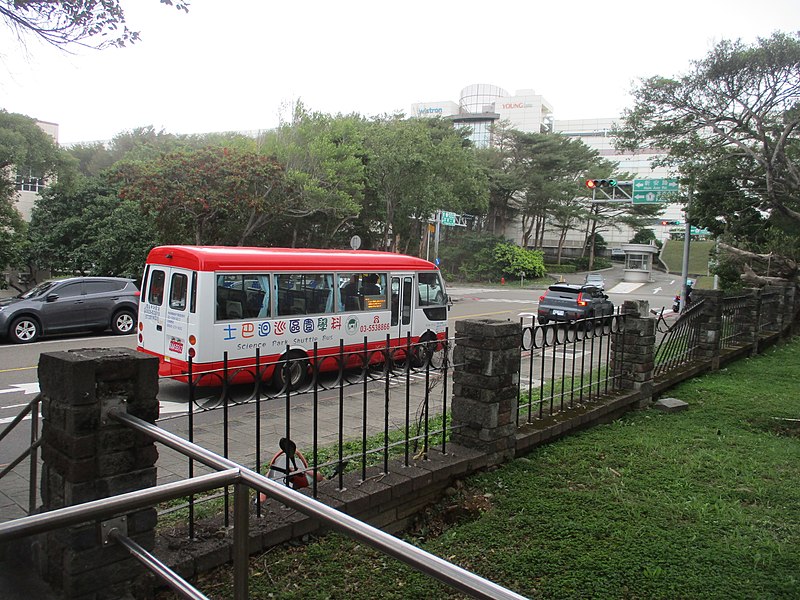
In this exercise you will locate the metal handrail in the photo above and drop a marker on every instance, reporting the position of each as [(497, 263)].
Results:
[(32, 450), (446, 572), (18, 419), (108, 507), (175, 581)]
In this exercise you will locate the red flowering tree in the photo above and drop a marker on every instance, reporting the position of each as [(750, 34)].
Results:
[(207, 196)]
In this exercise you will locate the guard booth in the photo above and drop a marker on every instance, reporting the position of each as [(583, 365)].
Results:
[(639, 262)]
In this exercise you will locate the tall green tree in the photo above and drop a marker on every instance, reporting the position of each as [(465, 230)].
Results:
[(25, 151), (415, 167), (739, 106), (84, 228), (323, 157)]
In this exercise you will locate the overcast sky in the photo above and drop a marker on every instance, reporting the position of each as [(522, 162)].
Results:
[(236, 64)]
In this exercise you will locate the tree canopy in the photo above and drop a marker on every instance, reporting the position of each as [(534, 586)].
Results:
[(24, 150), (90, 23), (214, 195), (730, 126)]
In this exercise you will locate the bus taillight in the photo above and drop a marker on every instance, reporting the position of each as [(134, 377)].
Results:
[(192, 340), (192, 353)]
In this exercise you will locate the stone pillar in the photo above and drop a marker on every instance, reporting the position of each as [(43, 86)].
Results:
[(486, 386), (752, 321), (710, 326), (86, 456), (633, 350)]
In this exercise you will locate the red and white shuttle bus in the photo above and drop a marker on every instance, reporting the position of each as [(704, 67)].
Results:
[(204, 301)]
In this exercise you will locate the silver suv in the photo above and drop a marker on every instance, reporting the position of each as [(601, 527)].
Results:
[(568, 302), (73, 304)]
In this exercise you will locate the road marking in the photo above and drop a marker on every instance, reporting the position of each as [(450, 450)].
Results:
[(26, 388), (655, 291), (625, 287), (17, 369)]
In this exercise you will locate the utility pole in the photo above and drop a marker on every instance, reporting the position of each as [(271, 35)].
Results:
[(686, 236), (436, 237)]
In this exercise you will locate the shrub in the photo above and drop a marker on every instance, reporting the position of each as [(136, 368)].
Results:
[(514, 261)]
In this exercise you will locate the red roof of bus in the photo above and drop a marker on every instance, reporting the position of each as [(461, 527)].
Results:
[(235, 258)]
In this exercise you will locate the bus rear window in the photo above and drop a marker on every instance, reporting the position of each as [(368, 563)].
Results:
[(155, 294)]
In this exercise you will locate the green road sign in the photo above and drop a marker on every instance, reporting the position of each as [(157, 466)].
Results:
[(647, 197), (655, 185), (649, 191), (448, 218)]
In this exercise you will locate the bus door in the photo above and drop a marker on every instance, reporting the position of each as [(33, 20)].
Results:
[(169, 299), (402, 305)]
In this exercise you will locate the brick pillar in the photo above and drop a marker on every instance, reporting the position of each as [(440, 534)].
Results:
[(486, 386), (633, 352), (711, 325), (87, 456)]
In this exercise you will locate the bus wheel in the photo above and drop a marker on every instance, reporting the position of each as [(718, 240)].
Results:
[(424, 350), (297, 371)]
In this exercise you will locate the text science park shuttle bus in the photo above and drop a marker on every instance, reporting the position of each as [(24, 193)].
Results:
[(205, 301)]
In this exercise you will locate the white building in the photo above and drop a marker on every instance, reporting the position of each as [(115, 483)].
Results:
[(482, 105)]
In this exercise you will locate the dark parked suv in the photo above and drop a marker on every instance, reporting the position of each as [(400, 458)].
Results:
[(567, 302), (74, 304)]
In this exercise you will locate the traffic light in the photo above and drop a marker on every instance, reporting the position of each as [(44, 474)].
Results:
[(600, 183)]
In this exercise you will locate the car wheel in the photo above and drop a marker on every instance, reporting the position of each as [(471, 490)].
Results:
[(123, 322), (543, 321), (24, 330)]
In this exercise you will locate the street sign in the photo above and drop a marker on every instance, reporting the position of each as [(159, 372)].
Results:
[(448, 218), (649, 191), (655, 185), (647, 198)]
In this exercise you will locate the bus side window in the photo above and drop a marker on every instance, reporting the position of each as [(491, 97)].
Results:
[(193, 293), (395, 300)]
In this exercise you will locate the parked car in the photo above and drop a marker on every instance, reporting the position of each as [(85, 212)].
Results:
[(73, 304), (568, 302), (596, 279)]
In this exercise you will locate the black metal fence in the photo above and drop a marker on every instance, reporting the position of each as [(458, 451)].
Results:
[(680, 342), (346, 411), (736, 313), (566, 365)]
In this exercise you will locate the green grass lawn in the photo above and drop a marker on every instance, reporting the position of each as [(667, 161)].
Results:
[(703, 503), (672, 256)]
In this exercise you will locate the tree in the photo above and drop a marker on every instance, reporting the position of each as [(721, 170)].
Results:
[(413, 168), (207, 196), (82, 22), (734, 117), (25, 150), (323, 157), (85, 228)]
